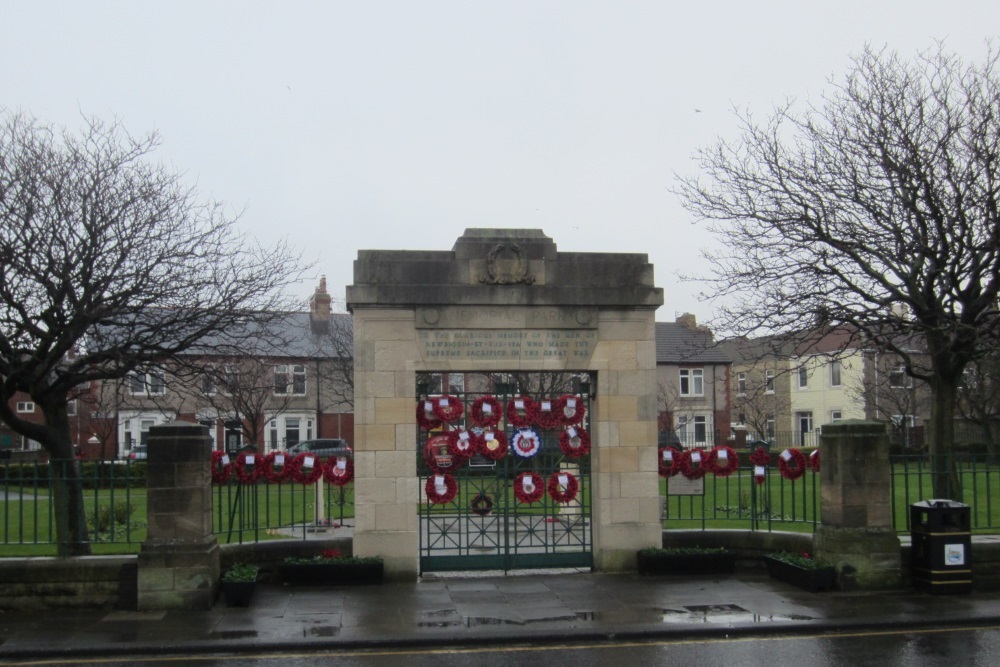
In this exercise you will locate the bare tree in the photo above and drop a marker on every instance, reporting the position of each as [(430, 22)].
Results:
[(876, 210), (335, 352), (106, 254), (979, 399)]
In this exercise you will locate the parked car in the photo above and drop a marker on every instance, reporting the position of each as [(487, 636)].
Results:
[(138, 453), (322, 447)]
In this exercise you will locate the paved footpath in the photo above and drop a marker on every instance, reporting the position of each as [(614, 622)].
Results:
[(491, 608)]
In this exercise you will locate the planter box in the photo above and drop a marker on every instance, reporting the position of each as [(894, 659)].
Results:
[(712, 562), (812, 580), (331, 574), (238, 593)]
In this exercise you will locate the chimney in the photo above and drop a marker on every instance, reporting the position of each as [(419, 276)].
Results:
[(319, 307), (688, 321)]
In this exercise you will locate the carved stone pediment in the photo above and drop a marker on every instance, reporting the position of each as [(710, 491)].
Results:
[(506, 264)]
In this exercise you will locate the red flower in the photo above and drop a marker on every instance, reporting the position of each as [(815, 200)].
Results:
[(332, 553)]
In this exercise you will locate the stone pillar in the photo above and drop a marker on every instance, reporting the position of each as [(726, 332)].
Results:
[(856, 532), (179, 561)]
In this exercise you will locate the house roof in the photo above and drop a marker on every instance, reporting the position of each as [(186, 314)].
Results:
[(678, 343)]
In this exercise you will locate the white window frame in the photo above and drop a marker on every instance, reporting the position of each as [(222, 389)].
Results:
[(768, 382), (153, 383), (904, 381), (741, 383), (132, 422), (803, 375), (836, 370), (293, 374), (278, 427), (836, 415), (701, 436), (692, 381), (25, 407)]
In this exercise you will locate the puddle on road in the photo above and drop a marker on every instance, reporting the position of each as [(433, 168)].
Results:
[(721, 614), (451, 619), (321, 631)]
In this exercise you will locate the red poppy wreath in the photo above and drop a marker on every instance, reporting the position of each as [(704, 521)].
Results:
[(486, 411), (447, 408), (462, 445), (669, 461), (723, 461), (305, 468), (221, 468), (563, 487), (571, 409), (492, 445), (529, 487), (522, 411), (425, 415), (248, 467), (338, 470), (276, 467), (792, 464), (441, 489), (574, 442), (694, 463), (760, 457), (548, 414)]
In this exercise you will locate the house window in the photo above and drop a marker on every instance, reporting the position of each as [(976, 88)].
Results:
[(769, 382), (834, 373), (803, 377), (230, 379), (898, 379), (207, 385), (682, 429), (700, 429), (147, 384), (71, 408), (741, 383), (769, 428), (290, 380), (836, 415), (25, 406), (137, 431), (692, 382), (286, 431), (456, 383)]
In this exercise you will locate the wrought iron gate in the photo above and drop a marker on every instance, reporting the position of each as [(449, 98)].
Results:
[(490, 523)]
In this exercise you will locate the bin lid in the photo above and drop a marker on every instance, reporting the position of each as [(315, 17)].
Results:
[(940, 504)]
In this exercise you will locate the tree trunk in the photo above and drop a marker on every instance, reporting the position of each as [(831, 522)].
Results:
[(945, 481), (72, 537)]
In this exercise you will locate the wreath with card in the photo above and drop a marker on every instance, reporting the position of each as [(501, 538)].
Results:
[(792, 464), (338, 470), (694, 463), (522, 412), (486, 411), (492, 445), (305, 468), (669, 461), (222, 468), (563, 487), (574, 442), (529, 487), (441, 489), (276, 467), (722, 461)]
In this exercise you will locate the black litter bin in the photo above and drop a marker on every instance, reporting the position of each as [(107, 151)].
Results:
[(941, 555)]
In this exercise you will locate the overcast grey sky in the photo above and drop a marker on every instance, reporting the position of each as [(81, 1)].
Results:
[(397, 124)]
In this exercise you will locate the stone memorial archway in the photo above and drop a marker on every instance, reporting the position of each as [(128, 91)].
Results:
[(504, 301)]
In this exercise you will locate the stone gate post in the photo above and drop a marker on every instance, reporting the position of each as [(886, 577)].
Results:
[(856, 532), (179, 561)]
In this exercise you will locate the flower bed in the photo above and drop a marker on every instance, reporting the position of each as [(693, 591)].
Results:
[(801, 570), (332, 568)]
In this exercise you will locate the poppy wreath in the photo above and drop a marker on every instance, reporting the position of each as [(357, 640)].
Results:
[(300, 473), (571, 449), (571, 414), (499, 442), (526, 443), (446, 494), (221, 468), (548, 418), (462, 448), (563, 493), (481, 417), (760, 457), (448, 408), (730, 461), (436, 460), (792, 464), (535, 481), (669, 461), (529, 409), (247, 467), (273, 472), (338, 470), (694, 463), (814, 460), (425, 415)]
